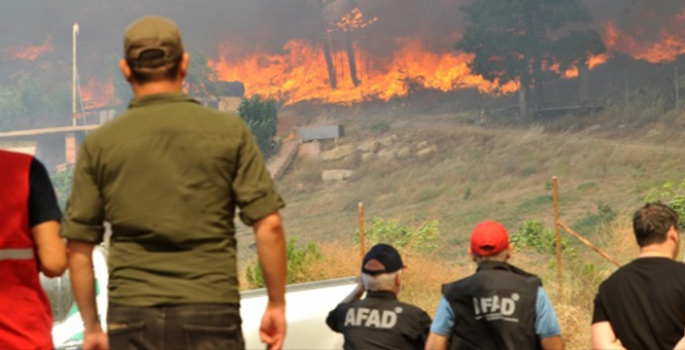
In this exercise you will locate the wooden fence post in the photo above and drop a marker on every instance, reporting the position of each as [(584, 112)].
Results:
[(555, 191)]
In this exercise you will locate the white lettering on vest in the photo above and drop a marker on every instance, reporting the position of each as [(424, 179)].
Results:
[(495, 307), (362, 314), (349, 318), (389, 319), (372, 318)]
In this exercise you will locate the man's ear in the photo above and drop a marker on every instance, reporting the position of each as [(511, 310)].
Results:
[(510, 249), (183, 67), (126, 70), (673, 234), (473, 257)]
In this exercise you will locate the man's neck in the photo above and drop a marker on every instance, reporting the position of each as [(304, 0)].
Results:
[(156, 87), (657, 251)]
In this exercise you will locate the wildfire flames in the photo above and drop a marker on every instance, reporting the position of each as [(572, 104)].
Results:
[(98, 94), (670, 44), (28, 53), (301, 74)]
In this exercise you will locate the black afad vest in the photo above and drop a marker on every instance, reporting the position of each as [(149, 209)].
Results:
[(494, 308)]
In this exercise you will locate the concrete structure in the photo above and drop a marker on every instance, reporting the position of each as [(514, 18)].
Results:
[(321, 133), (55, 147)]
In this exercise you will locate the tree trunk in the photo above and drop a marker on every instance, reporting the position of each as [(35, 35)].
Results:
[(534, 58), (524, 109), (351, 59), (332, 76), (584, 84), (524, 97), (538, 82)]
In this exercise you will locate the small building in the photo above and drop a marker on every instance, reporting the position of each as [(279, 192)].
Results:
[(320, 133)]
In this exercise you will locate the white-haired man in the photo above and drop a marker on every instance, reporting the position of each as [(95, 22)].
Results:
[(380, 321)]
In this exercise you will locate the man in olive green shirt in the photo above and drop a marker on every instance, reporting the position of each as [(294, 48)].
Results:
[(168, 175)]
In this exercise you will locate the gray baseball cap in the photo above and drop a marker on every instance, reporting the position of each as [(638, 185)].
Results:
[(152, 42)]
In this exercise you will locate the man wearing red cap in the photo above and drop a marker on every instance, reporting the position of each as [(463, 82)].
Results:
[(498, 307), (380, 321)]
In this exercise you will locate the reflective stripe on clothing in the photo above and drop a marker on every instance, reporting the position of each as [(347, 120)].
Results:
[(16, 254)]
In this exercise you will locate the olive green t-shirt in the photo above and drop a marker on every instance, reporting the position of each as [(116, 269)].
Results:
[(168, 175)]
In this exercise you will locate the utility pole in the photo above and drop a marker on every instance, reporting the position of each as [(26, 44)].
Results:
[(677, 87), (74, 76)]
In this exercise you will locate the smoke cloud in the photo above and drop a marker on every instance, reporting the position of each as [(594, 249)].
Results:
[(266, 25)]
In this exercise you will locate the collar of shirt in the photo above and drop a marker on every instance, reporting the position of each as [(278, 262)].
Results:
[(496, 265), (381, 294), (148, 100)]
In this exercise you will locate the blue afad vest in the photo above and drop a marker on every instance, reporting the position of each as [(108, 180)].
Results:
[(494, 308)]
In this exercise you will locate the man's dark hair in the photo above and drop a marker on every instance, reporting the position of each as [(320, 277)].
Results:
[(652, 222), (167, 71)]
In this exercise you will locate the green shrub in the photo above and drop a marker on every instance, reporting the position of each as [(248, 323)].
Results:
[(262, 117), (380, 128), (299, 259), (533, 234), (401, 236), (62, 182), (673, 195), (605, 212)]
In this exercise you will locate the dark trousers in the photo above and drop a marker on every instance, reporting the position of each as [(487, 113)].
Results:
[(190, 326)]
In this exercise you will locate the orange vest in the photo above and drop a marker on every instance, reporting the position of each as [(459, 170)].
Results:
[(25, 313)]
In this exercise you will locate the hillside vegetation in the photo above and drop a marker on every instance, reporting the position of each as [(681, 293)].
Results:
[(606, 169)]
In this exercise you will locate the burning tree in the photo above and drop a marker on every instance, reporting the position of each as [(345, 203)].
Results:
[(519, 40), (352, 21)]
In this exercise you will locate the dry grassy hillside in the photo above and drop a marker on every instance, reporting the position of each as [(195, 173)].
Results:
[(477, 172)]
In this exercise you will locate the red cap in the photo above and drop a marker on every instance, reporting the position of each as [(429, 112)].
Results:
[(489, 238)]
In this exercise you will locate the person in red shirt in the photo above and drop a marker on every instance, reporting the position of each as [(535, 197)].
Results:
[(29, 244)]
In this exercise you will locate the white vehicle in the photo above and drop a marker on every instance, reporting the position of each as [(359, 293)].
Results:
[(308, 305)]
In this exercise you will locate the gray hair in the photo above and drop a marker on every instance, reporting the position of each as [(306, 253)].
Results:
[(499, 257), (385, 281)]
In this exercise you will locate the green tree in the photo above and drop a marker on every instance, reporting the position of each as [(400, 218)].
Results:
[(514, 40), (201, 79), (261, 116), (32, 102)]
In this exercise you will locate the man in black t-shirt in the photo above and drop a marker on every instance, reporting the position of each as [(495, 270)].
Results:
[(380, 321), (642, 304)]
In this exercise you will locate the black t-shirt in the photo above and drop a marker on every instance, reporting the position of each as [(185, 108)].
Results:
[(43, 205), (380, 321), (645, 303)]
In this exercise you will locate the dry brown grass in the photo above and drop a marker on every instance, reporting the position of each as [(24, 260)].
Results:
[(583, 271), (489, 173)]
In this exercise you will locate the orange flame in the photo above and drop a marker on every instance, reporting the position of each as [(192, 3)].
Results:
[(598, 60), (300, 74), (28, 53), (573, 72), (670, 43), (97, 94), (354, 21)]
